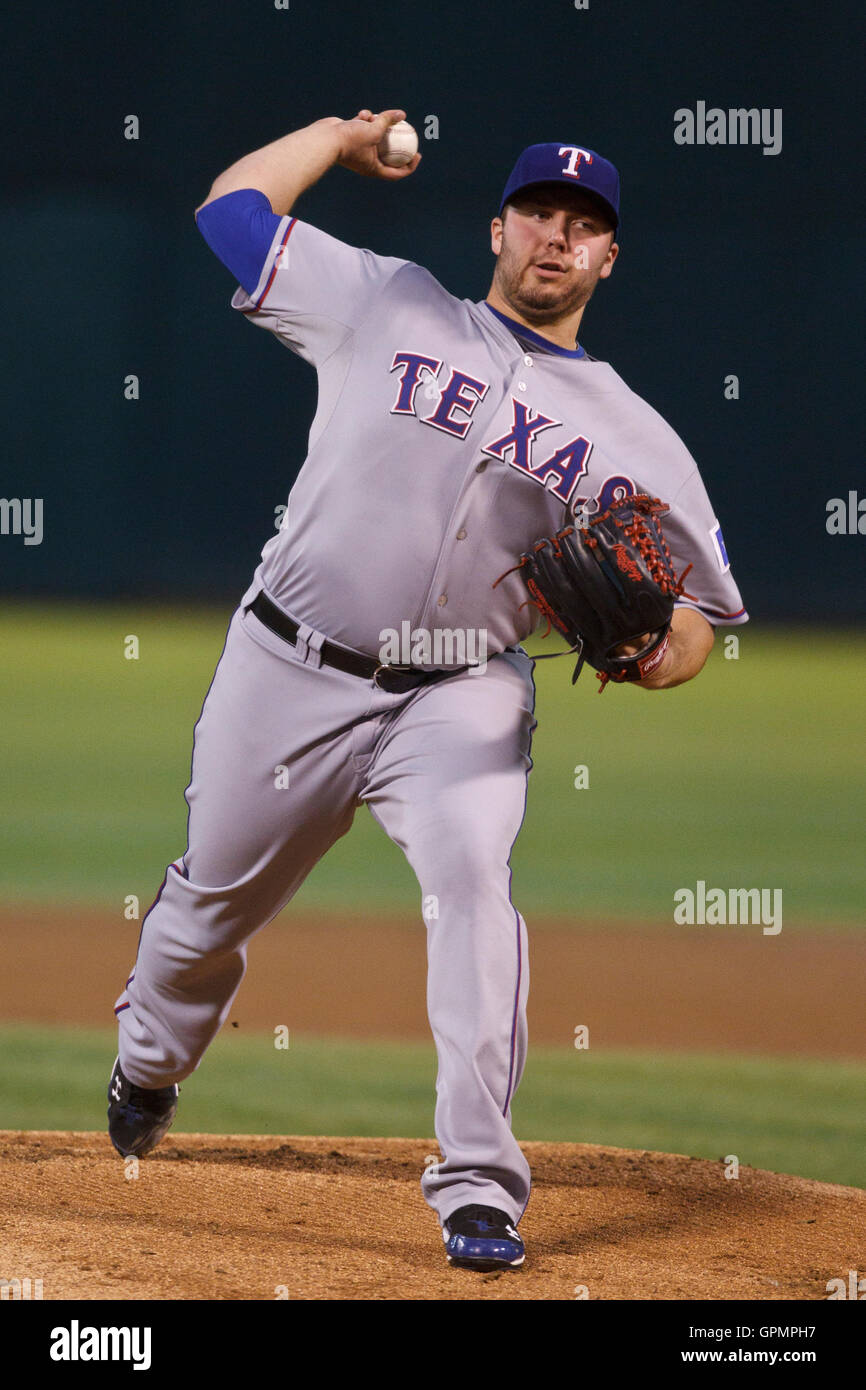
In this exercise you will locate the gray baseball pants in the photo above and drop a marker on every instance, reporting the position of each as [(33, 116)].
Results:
[(284, 751)]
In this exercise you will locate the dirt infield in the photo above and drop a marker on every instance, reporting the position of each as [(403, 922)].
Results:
[(693, 988), (246, 1217)]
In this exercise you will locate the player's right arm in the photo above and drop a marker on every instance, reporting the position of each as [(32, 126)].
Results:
[(286, 168), (309, 289)]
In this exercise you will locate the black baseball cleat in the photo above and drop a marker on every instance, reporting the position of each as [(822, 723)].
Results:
[(482, 1238), (138, 1118)]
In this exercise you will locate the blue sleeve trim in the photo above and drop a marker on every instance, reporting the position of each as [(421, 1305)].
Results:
[(240, 228)]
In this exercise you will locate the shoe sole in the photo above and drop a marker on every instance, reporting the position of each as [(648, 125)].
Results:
[(482, 1264), (145, 1145), (479, 1254)]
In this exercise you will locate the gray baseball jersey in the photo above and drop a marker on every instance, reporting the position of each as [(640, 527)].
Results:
[(445, 443), (447, 439)]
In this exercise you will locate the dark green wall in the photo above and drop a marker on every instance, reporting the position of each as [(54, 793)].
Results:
[(731, 262)]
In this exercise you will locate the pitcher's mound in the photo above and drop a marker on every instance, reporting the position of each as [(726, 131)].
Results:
[(247, 1217)]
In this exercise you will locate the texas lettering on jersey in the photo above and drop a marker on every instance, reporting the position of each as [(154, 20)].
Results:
[(457, 398), (613, 489)]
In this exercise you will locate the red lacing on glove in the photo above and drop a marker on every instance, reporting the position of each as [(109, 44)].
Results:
[(524, 559), (645, 542), (537, 600), (544, 607), (653, 548), (604, 677), (526, 604)]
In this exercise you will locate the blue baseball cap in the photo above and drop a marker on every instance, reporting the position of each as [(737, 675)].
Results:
[(558, 162)]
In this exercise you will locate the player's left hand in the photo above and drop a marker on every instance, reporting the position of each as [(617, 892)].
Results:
[(359, 140), (609, 586), (632, 648)]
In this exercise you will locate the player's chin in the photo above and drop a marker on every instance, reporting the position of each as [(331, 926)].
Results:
[(543, 297), (547, 291)]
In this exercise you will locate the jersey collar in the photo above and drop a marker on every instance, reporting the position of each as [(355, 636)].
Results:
[(521, 331)]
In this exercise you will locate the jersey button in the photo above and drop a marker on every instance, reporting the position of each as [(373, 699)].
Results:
[(461, 534), (480, 467), (442, 600), (528, 360), (521, 385)]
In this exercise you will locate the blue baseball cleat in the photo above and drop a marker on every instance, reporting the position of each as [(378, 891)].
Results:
[(482, 1238), (138, 1118)]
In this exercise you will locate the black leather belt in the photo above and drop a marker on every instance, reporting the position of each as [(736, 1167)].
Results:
[(397, 680)]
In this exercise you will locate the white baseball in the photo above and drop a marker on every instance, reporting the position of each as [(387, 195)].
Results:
[(399, 145)]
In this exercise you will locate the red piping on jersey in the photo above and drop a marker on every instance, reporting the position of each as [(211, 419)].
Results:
[(739, 613), (264, 292)]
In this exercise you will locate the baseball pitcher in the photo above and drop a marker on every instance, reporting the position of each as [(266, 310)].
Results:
[(471, 469)]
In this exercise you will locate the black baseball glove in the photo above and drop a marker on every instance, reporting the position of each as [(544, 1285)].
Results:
[(607, 584)]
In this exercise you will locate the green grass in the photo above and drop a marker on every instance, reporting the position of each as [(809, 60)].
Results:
[(791, 1116), (748, 777)]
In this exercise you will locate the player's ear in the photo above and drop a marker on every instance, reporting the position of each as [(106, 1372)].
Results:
[(613, 252), (496, 235)]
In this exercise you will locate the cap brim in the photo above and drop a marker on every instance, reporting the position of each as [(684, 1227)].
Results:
[(598, 198)]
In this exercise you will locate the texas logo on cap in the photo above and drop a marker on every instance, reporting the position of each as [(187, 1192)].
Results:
[(558, 162)]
